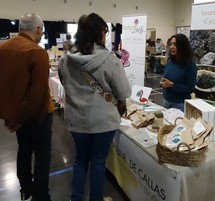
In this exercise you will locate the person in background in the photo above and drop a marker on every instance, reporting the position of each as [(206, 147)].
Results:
[(180, 73), (91, 119), (158, 46), (26, 106), (148, 47), (67, 45), (168, 48)]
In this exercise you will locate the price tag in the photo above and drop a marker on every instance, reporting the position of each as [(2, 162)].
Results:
[(199, 128)]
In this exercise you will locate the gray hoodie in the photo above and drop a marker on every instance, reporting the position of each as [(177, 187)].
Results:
[(85, 110)]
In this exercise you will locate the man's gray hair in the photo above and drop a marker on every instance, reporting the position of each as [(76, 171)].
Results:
[(29, 22)]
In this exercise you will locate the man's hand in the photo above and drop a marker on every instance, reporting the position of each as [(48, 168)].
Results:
[(12, 126)]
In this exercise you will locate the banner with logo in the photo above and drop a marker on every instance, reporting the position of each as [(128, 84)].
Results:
[(203, 16), (108, 43), (139, 175), (202, 41), (133, 47)]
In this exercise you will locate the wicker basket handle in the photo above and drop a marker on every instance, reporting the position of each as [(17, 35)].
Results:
[(177, 119), (182, 143)]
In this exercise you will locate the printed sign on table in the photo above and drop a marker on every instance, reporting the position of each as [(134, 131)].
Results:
[(140, 93), (139, 175)]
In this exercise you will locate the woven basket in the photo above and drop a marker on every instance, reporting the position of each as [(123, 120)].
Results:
[(184, 158)]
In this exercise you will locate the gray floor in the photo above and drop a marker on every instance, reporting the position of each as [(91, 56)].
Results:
[(62, 159)]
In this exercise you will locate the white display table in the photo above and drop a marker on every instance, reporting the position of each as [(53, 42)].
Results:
[(142, 178), (57, 90), (53, 73)]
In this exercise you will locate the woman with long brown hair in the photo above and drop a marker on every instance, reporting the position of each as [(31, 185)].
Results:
[(92, 118), (180, 72)]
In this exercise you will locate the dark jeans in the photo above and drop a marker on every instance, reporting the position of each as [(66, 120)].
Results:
[(34, 137), (168, 104), (91, 150)]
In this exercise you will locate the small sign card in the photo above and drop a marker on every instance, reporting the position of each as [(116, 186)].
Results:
[(140, 93)]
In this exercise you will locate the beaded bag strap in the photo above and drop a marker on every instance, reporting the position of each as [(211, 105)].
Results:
[(95, 85)]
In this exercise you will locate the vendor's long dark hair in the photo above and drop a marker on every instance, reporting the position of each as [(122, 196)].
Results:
[(90, 30), (184, 50)]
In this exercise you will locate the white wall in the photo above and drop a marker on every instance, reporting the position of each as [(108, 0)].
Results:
[(183, 11), (163, 15)]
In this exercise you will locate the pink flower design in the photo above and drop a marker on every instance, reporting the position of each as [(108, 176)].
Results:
[(136, 21), (124, 58)]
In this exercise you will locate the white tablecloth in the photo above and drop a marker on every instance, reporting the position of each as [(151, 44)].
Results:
[(53, 73), (57, 90), (142, 178)]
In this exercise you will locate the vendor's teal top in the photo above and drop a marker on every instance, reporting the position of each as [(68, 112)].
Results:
[(184, 79)]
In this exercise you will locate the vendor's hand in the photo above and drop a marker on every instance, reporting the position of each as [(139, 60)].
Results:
[(12, 126), (165, 83)]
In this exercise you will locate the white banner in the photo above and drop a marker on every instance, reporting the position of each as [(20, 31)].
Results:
[(133, 47), (108, 43), (203, 17), (202, 1), (139, 175)]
